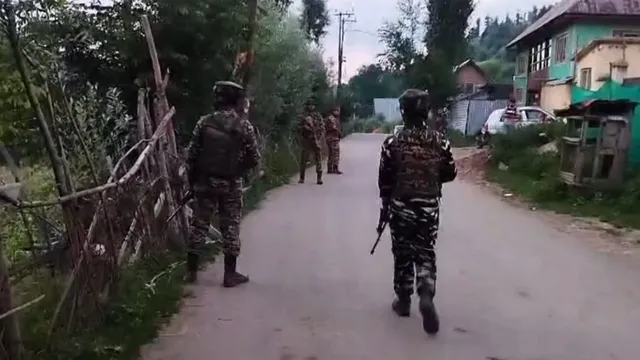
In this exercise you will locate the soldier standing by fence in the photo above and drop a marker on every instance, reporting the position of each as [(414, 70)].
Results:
[(222, 151), (311, 137)]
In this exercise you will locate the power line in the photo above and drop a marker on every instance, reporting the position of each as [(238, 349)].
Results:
[(343, 18)]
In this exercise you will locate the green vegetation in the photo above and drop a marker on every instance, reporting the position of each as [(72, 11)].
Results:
[(458, 139), (535, 176), (88, 63)]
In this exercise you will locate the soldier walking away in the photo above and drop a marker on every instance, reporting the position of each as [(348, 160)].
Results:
[(222, 151), (333, 135), (311, 134), (414, 164)]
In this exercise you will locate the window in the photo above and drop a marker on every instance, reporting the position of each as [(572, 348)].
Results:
[(626, 33), (468, 88), (561, 48), (518, 95), (534, 115), (521, 64), (585, 78), (539, 57)]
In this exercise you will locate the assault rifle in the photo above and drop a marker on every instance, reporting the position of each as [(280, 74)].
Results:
[(383, 221)]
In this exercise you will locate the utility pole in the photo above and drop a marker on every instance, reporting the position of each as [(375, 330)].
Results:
[(343, 18)]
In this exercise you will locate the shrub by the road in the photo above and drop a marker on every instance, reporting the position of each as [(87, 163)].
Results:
[(536, 177)]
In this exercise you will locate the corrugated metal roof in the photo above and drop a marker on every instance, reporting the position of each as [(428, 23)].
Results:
[(580, 7)]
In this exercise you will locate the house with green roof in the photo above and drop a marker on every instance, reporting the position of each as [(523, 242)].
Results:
[(546, 63)]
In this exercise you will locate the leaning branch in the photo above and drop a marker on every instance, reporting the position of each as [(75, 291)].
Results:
[(123, 180)]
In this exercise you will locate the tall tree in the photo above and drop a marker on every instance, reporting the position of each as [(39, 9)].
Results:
[(402, 37), (447, 27), (314, 19)]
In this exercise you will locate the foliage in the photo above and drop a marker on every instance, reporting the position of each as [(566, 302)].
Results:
[(536, 177), (314, 19), (488, 40), (372, 81), (367, 125), (458, 139), (88, 62), (150, 294)]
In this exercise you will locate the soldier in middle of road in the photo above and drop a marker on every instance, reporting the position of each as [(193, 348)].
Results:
[(333, 135), (414, 164), (311, 136)]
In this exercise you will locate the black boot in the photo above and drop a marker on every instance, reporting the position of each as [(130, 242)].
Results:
[(232, 278), (319, 181), (336, 171), (192, 268), (331, 170), (430, 321), (402, 306)]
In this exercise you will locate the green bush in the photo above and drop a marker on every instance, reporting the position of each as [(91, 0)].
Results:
[(362, 125), (537, 177), (458, 139)]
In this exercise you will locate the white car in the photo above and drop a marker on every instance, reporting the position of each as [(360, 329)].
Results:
[(531, 115)]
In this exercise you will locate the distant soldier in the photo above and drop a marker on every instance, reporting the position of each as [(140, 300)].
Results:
[(333, 131), (222, 151), (413, 166), (311, 134)]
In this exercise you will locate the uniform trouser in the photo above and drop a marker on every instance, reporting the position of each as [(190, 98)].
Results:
[(333, 157), (414, 229), (225, 198), (307, 151)]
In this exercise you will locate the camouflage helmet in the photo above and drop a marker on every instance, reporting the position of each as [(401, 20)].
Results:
[(414, 105), (227, 93)]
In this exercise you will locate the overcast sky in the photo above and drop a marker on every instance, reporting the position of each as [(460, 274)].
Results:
[(362, 45)]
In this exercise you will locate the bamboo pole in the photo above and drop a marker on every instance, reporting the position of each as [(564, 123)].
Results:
[(159, 81), (10, 338), (109, 185)]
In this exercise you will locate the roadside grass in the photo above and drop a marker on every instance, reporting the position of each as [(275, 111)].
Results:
[(536, 178), (149, 294)]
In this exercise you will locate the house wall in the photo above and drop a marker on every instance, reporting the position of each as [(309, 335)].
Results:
[(521, 78), (598, 61), (469, 74), (578, 35), (555, 97)]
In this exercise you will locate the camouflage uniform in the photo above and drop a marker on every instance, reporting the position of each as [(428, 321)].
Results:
[(223, 149), (333, 134), (413, 166), (312, 136)]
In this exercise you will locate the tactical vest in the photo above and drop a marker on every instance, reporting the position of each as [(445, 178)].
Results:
[(418, 166), (221, 146)]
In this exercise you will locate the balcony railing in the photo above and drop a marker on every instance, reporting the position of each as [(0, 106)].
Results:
[(537, 79)]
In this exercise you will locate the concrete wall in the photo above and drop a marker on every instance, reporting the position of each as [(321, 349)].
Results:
[(554, 97), (600, 58), (388, 107)]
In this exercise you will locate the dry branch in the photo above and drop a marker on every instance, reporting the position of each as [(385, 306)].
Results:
[(21, 307), (123, 180), (159, 81)]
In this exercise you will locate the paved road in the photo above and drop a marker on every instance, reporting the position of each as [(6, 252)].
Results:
[(510, 287)]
